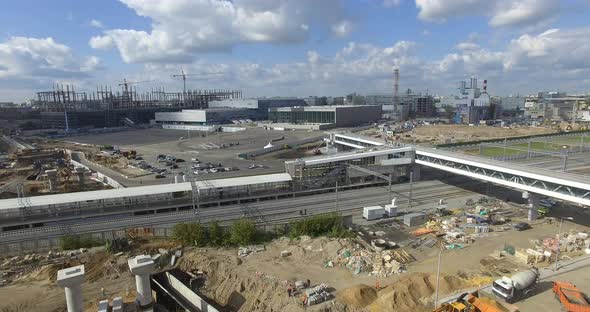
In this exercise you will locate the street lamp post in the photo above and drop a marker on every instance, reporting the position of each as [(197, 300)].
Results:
[(559, 241), (437, 277)]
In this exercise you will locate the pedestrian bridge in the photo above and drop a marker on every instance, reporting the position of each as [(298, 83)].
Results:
[(570, 187), (565, 186)]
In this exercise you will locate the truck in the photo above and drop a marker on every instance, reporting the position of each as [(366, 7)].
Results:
[(545, 206), (516, 287), (572, 299)]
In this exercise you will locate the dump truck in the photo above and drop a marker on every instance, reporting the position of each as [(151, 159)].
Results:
[(472, 302), (516, 287), (571, 298)]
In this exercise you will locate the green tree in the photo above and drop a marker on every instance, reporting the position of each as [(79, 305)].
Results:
[(190, 234), (322, 224), (216, 234), (243, 232), (69, 242)]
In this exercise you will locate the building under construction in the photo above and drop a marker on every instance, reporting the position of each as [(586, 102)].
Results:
[(65, 108)]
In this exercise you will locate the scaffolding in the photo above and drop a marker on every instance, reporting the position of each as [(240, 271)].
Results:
[(64, 107), (64, 98)]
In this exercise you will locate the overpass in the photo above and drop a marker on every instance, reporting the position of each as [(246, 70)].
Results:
[(565, 186)]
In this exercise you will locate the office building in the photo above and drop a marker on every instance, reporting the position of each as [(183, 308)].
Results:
[(339, 116)]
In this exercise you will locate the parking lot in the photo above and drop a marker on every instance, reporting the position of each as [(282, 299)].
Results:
[(215, 154)]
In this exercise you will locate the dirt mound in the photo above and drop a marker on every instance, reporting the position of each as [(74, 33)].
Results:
[(358, 296), (45, 273), (413, 292)]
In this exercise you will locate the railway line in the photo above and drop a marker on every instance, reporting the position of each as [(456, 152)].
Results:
[(263, 213)]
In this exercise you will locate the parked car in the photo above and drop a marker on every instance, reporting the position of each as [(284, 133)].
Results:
[(521, 226)]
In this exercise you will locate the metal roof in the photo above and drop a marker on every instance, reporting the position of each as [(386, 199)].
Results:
[(57, 199), (352, 155)]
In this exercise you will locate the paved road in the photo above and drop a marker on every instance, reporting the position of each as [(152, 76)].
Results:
[(425, 195)]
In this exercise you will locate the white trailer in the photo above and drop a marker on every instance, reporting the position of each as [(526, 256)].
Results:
[(373, 212)]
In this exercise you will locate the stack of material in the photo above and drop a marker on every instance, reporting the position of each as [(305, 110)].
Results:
[(434, 225), (529, 256), (422, 231), (315, 295), (382, 263)]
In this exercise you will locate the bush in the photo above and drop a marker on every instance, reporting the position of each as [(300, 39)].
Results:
[(70, 242), (243, 232), (323, 224), (190, 234), (216, 234)]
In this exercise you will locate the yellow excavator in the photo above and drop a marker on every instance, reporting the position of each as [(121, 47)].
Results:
[(471, 302)]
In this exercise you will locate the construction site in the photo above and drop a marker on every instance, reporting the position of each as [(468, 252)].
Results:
[(316, 208), (420, 237), (65, 108)]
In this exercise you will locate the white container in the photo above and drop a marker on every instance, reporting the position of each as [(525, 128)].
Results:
[(373, 212), (390, 211)]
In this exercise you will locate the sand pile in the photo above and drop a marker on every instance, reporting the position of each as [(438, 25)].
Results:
[(236, 290), (411, 293), (45, 273), (358, 296)]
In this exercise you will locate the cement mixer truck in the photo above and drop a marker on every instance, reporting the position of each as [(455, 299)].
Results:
[(516, 287)]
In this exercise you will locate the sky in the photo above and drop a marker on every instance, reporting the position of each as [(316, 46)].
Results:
[(295, 47)]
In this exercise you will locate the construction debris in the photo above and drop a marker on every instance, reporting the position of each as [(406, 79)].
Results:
[(382, 262)]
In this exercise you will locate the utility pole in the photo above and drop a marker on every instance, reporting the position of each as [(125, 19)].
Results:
[(336, 192), (437, 278), (559, 241), (411, 189)]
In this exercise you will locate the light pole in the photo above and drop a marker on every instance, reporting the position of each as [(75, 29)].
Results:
[(437, 278), (559, 241)]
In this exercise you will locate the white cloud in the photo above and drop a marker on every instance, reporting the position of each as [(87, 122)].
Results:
[(101, 42), (467, 46), (554, 59), (342, 29), (182, 28), (22, 57), (96, 23), (527, 13)]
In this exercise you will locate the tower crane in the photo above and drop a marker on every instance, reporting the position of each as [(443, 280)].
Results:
[(125, 84), (183, 75)]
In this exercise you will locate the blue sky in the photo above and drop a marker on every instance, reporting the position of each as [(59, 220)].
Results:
[(301, 48)]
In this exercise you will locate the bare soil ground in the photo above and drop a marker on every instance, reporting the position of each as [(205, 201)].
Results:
[(259, 281), (438, 134)]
